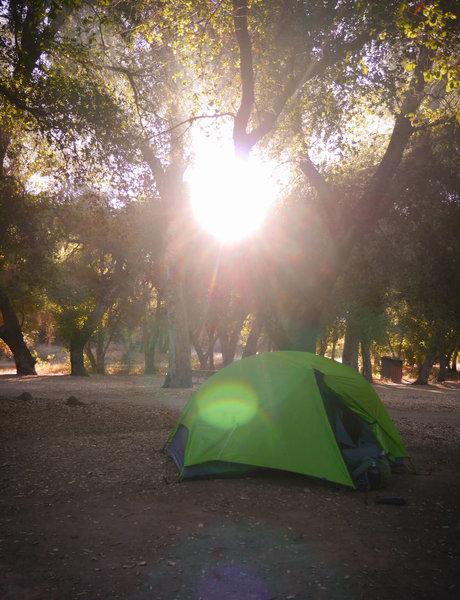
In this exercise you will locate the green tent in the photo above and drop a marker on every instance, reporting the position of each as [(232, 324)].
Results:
[(286, 410)]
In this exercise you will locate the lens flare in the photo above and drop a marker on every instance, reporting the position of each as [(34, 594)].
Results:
[(227, 404)]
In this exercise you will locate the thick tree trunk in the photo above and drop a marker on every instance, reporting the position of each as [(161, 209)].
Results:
[(174, 198), (295, 329), (428, 363), (77, 365), (180, 368), (11, 334), (351, 345), (304, 329)]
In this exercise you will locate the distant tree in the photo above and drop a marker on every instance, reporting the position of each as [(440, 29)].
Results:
[(92, 272)]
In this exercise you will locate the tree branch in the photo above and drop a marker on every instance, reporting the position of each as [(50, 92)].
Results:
[(14, 99), (375, 201), (155, 166), (240, 19), (191, 120), (326, 192), (243, 140)]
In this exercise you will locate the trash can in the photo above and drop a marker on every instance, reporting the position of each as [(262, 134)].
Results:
[(391, 368)]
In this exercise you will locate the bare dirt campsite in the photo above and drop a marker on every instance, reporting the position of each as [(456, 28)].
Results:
[(91, 507)]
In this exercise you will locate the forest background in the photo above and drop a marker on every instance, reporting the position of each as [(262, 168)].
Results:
[(355, 107)]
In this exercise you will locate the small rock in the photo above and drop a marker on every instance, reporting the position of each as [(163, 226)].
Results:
[(73, 401), (25, 396)]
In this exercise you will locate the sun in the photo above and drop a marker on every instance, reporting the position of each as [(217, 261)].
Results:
[(230, 197)]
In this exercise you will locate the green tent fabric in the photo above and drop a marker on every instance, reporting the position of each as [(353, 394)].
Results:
[(270, 411)]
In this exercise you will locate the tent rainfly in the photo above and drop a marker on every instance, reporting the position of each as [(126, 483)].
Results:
[(291, 411)]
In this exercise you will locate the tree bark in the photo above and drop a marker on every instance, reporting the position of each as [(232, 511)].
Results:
[(253, 337), (230, 342), (202, 355), (442, 361), (90, 356), (11, 334), (180, 367), (77, 365), (351, 345), (428, 363), (174, 199), (335, 338), (152, 333), (366, 356), (322, 346)]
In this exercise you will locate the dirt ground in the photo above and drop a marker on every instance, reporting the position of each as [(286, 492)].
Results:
[(90, 507)]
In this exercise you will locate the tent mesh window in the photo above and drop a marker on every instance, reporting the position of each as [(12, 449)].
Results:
[(354, 436)]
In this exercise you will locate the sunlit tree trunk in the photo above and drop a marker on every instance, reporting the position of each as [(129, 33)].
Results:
[(322, 345), (253, 337)]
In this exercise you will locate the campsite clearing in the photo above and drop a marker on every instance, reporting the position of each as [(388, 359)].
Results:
[(91, 508)]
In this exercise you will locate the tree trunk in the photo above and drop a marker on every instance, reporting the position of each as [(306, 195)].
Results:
[(152, 336), (335, 338), (90, 356), (295, 329), (304, 329), (211, 357), (149, 354), (428, 363), (442, 361), (366, 356), (322, 346), (177, 213), (77, 365), (351, 345), (230, 342), (202, 355), (100, 353), (180, 368), (11, 334), (253, 337)]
